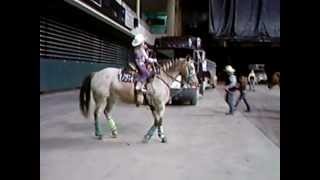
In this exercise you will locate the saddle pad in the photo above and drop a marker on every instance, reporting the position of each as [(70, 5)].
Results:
[(126, 77)]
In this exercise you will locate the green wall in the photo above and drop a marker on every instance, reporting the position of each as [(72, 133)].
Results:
[(62, 75)]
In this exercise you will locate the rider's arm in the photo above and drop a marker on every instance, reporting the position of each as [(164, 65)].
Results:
[(147, 58), (137, 58)]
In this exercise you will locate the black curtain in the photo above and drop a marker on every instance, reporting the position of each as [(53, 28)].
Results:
[(244, 19)]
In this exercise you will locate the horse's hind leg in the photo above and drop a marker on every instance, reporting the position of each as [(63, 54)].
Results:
[(110, 121), (100, 104)]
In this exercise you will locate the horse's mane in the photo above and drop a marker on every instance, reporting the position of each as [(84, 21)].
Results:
[(169, 65)]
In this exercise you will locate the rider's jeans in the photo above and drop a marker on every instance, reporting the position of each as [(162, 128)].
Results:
[(230, 99), (144, 73)]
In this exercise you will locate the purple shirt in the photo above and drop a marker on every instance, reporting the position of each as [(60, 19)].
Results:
[(141, 56)]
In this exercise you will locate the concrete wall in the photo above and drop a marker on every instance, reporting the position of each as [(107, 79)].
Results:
[(62, 75)]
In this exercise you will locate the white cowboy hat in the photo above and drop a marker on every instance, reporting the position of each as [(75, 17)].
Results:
[(229, 69), (138, 39)]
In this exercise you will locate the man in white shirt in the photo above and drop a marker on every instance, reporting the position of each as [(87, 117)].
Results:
[(252, 80), (203, 69)]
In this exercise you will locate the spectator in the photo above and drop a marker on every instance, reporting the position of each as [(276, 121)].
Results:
[(242, 88), (252, 80), (230, 89)]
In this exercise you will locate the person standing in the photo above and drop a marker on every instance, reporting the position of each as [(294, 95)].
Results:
[(230, 88), (242, 88), (252, 80), (203, 70)]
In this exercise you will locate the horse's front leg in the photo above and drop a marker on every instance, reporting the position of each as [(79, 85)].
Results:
[(160, 113), (152, 129), (161, 132), (149, 134)]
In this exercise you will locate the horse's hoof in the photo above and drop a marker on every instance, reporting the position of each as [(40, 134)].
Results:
[(146, 138), (164, 140), (114, 134), (100, 137)]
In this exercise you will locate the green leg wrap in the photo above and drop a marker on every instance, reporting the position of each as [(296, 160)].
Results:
[(151, 131), (97, 129), (112, 124)]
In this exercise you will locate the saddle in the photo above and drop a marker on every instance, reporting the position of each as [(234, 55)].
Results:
[(130, 75)]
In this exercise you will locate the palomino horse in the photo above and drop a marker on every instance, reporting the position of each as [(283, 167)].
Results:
[(275, 80), (104, 88)]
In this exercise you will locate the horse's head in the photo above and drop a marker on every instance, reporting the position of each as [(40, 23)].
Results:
[(187, 70), (275, 80)]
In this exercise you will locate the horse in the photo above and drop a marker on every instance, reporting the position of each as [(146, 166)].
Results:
[(275, 80), (104, 88)]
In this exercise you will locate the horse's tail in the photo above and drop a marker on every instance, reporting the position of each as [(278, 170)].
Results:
[(85, 95)]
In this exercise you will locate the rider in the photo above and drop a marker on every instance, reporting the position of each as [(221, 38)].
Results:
[(141, 57)]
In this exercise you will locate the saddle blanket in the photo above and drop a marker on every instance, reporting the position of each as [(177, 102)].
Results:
[(126, 77)]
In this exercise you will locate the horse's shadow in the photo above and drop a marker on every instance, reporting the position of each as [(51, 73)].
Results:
[(82, 143), (80, 136), (275, 111)]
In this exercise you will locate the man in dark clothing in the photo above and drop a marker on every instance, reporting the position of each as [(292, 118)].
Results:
[(242, 88)]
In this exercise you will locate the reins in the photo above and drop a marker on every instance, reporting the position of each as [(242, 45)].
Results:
[(173, 78), (180, 90)]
